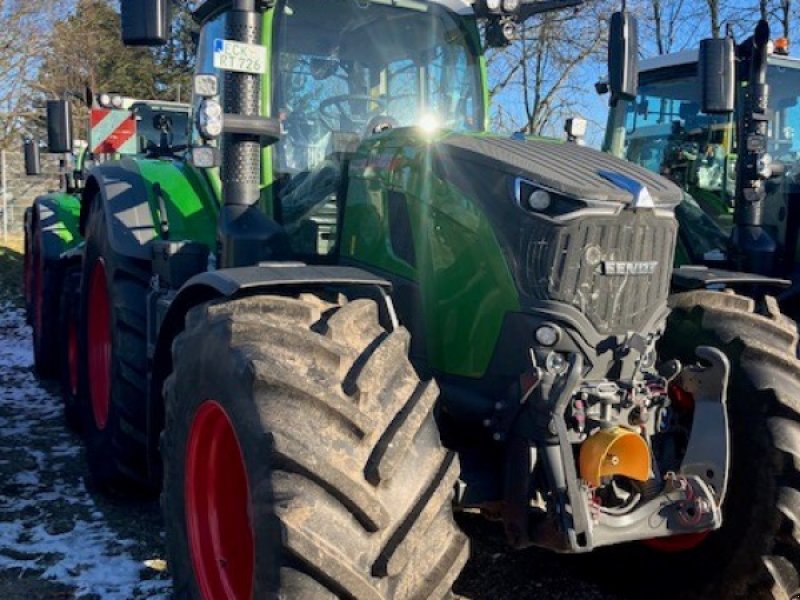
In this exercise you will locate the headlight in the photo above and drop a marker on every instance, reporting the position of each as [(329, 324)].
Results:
[(493, 5), (510, 6), (205, 157), (209, 119), (548, 335), (206, 86), (537, 200), (116, 101), (105, 100)]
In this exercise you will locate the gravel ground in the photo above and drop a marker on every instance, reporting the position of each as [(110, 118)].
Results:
[(58, 541)]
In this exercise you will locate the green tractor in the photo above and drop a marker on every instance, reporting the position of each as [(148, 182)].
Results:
[(741, 211), (349, 311), (117, 127)]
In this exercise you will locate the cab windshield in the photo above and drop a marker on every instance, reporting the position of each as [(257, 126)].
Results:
[(665, 131), (161, 126), (346, 70)]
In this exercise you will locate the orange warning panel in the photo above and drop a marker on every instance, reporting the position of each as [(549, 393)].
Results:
[(112, 131)]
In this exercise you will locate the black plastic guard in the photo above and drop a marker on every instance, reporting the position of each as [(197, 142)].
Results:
[(129, 220), (229, 282), (699, 277)]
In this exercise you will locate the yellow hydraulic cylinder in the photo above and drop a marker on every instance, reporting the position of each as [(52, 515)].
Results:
[(614, 451)]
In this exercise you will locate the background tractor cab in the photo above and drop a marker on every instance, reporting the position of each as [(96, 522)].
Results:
[(120, 126), (669, 128)]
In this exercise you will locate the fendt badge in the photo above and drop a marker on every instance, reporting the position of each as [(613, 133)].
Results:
[(612, 267)]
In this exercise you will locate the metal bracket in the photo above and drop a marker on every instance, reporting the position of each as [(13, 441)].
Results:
[(687, 505), (708, 453)]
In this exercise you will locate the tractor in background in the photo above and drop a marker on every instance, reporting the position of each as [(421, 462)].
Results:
[(741, 210), (348, 311), (118, 126)]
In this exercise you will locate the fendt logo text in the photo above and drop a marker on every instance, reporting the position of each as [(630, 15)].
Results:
[(611, 267)]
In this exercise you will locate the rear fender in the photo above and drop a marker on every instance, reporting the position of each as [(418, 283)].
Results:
[(56, 214)]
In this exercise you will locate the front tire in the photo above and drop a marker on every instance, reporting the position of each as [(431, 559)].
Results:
[(756, 553), (301, 458)]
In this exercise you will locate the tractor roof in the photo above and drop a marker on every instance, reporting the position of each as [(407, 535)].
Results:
[(688, 57), (207, 9)]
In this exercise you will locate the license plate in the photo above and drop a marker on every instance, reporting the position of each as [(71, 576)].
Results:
[(243, 58)]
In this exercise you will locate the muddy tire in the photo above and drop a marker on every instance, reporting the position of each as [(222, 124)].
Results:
[(112, 348), (303, 425), (68, 314), (756, 553), (46, 274)]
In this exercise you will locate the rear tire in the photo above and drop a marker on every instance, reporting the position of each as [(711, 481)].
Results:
[(27, 273), (113, 361), (46, 274), (756, 553), (330, 449)]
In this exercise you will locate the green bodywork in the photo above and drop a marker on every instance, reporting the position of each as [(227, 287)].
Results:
[(189, 198), (464, 280), (67, 210)]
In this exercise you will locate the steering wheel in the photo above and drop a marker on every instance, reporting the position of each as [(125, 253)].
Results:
[(335, 108)]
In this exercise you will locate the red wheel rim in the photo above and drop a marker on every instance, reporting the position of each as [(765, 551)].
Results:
[(99, 338), (218, 508), (72, 356), (676, 543)]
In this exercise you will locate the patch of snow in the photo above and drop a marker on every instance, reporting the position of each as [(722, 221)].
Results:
[(76, 547)]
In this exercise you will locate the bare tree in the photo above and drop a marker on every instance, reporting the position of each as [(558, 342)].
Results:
[(714, 16), (666, 25), (785, 16), (535, 81), (25, 22)]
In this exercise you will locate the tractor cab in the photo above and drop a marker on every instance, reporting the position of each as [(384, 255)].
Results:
[(119, 125), (342, 72), (665, 130)]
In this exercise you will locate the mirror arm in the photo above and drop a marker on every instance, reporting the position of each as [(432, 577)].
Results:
[(530, 8)]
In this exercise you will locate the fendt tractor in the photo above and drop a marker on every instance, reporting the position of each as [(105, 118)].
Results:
[(742, 206), (118, 126), (348, 311)]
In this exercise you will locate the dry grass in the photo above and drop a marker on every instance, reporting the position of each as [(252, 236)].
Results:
[(11, 260), (14, 242)]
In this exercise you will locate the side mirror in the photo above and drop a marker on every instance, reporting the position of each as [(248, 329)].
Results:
[(623, 56), (716, 68), (145, 22), (59, 126), (33, 162)]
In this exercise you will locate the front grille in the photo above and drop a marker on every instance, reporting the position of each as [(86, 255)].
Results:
[(564, 263)]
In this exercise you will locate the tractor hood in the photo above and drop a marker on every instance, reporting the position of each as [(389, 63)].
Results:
[(456, 213), (569, 169)]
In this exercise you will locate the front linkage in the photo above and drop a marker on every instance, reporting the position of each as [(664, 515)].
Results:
[(603, 455)]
